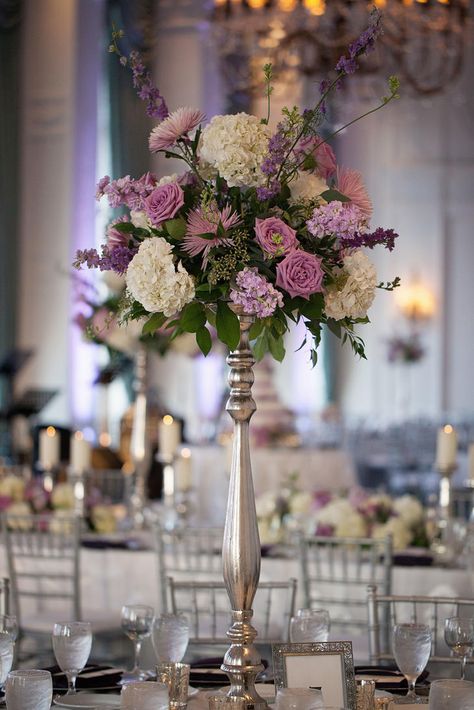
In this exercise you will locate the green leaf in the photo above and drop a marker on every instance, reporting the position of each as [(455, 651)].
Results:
[(313, 308), (176, 228), (125, 227), (334, 327), (192, 317), (277, 347), (153, 323), (204, 340), (333, 194), (260, 346), (256, 329), (227, 324)]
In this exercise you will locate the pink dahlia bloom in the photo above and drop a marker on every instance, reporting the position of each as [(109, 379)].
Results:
[(350, 184), (207, 222), (177, 125)]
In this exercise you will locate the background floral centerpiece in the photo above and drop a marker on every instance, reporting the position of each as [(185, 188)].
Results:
[(264, 221)]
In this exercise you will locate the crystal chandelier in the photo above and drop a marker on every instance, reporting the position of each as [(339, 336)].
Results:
[(424, 41)]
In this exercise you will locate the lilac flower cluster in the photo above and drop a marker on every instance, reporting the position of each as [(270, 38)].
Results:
[(126, 191), (362, 45), (386, 237), (278, 147), (255, 294), (156, 105), (342, 221), (115, 258)]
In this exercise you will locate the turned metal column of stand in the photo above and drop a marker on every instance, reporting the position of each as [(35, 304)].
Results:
[(241, 546), (138, 439), (445, 502)]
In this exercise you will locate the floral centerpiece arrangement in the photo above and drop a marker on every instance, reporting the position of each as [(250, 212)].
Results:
[(360, 514), (267, 222), (20, 497)]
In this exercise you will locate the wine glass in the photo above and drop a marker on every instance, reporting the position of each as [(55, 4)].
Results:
[(170, 637), (9, 625), (411, 648), (459, 636), (6, 661), (72, 642), (309, 625), (137, 623)]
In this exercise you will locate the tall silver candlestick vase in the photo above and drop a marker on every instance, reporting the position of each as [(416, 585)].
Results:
[(139, 439), (241, 546)]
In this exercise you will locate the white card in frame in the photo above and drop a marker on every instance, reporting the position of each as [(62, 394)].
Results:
[(328, 666)]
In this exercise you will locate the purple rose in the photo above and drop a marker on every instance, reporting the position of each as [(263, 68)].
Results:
[(163, 203), (274, 236), (300, 274)]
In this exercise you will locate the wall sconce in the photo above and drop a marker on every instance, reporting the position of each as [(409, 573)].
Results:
[(416, 301)]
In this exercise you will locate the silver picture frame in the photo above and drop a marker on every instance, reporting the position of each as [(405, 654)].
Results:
[(328, 666)]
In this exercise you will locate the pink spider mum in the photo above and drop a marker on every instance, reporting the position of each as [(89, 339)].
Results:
[(207, 222), (178, 124), (350, 184)]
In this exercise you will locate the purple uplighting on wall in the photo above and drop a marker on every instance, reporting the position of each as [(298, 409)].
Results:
[(82, 356)]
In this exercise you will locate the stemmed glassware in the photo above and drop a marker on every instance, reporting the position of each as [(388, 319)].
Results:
[(72, 642), (137, 623), (309, 625), (170, 637), (459, 636), (411, 648), (8, 636)]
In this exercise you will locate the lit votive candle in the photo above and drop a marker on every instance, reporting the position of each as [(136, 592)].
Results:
[(446, 448), (49, 443), (169, 436), (183, 471), (80, 453)]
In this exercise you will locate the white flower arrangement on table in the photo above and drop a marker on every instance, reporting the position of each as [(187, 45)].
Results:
[(266, 221)]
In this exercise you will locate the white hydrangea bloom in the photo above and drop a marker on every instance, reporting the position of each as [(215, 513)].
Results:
[(306, 187), (401, 534), (334, 512), (300, 503), (353, 292), (155, 282), (12, 487), (167, 179), (236, 145), (409, 509), (352, 525)]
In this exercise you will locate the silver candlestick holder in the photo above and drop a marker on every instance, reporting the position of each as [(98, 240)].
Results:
[(445, 502), (177, 501)]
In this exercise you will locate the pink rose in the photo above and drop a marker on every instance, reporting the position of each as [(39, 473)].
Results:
[(163, 203), (323, 156), (300, 274), (274, 236)]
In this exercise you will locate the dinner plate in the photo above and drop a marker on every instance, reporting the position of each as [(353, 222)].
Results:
[(88, 700)]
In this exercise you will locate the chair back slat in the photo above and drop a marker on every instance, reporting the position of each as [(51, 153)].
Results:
[(43, 560), (349, 564), (384, 611), (208, 608), (186, 551)]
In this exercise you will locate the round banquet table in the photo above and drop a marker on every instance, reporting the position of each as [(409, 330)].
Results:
[(113, 577)]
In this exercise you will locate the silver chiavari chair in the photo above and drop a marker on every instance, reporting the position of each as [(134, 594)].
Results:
[(43, 565), (336, 572), (187, 552), (208, 610), (386, 610)]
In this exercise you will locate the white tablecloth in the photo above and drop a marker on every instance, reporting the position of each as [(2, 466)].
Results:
[(326, 469)]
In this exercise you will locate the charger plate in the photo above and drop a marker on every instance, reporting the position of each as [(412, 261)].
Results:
[(88, 700)]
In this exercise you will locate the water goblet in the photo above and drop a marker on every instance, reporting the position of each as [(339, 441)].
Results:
[(9, 625), (72, 642), (137, 623), (170, 637), (411, 648), (6, 661), (29, 690), (451, 694), (309, 625), (459, 636)]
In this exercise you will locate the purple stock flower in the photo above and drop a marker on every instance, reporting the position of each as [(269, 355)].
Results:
[(266, 193), (324, 529), (362, 45), (342, 221), (386, 237), (116, 258), (101, 185), (126, 191), (278, 146), (255, 294), (146, 90)]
